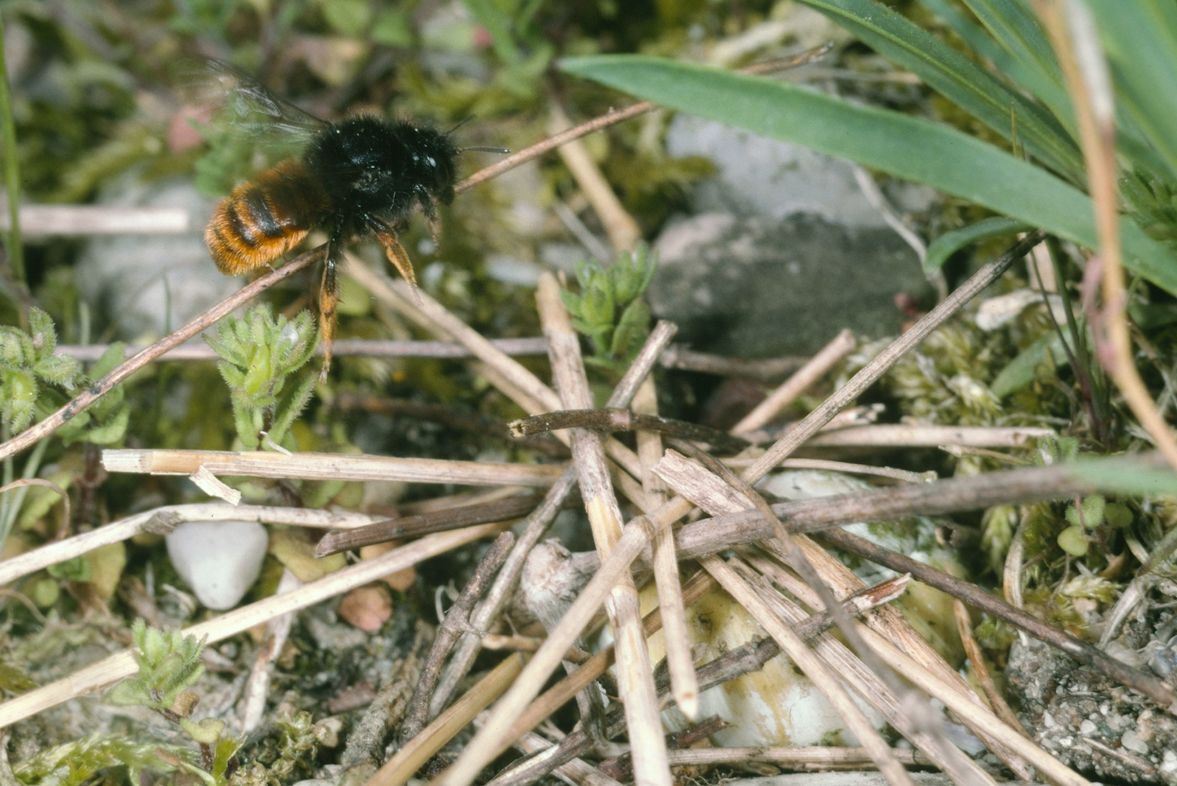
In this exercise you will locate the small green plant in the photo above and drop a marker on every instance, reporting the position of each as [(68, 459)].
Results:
[(610, 308), (260, 355), (27, 364), (169, 665), (34, 382)]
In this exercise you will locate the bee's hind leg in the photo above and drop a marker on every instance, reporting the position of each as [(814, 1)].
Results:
[(395, 251), (329, 299)]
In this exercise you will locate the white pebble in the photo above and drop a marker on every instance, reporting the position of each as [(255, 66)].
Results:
[(218, 559), (1132, 741)]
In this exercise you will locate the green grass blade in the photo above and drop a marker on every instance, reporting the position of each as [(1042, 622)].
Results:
[(1017, 30), (1031, 64), (1127, 475), (950, 242), (1140, 38), (960, 80), (1022, 370), (903, 146)]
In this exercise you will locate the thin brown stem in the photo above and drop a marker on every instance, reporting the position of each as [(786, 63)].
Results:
[(455, 622), (1074, 38), (1084, 653), (613, 118), (742, 660), (537, 523), (613, 419), (124, 370), (634, 670), (425, 523)]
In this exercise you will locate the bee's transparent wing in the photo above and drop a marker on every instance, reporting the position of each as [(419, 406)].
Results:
[(240, 101)]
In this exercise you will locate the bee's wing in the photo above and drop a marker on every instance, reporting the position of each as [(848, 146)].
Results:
[(249, 107)]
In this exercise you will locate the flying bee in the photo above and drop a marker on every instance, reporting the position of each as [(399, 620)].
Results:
[(361, 176)]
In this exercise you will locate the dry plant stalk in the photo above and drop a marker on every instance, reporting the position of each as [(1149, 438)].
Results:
[(910, 435), (742, 660), (575, 771), (413, 755), (92, 220), (805, 659), (162, 520), (1075, 40), (490, 607), (620, 226), (713, 494), (964, 629), (639, 532), (328, 466), (493, 737), (505, 373), (456, 620), (634, 670), (683, 680), (816, 368), (122, 665)]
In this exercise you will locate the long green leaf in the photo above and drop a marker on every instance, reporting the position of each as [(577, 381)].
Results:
[(904, 146), (950, 242), (1015, 28), (1141, 42), (960, 80), (1033, 67)]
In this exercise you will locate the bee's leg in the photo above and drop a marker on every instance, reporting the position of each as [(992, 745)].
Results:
[(395, 252), (329, 299), (429, 208)]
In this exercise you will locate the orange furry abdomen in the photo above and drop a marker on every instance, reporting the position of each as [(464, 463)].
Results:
[(263, 219)]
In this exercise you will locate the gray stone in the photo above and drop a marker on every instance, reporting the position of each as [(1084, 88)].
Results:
[(756, 286), (148, 284), (757, 176)]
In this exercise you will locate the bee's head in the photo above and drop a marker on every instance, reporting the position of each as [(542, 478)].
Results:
[(372, 165)]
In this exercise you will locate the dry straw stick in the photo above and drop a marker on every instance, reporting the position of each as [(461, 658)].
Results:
[(121, 665), (639, 532), (1075, 39), (909, 435), (456, 620), (683, 681), (328, 466), (634, 670), (806, 660), (742, 660), (817, 367), (343, 347), (86, 398), (536, 524), (575, 771), (713, 495), (167, 518), (413, 755), (493, 738), (502, 371), (909, 719)]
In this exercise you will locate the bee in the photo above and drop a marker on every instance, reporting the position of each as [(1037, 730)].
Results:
[(363, 176)]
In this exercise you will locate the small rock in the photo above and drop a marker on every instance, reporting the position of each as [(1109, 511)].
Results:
[(219, 560), (367, 608), (152, 284), (758, 176), (757, 287)]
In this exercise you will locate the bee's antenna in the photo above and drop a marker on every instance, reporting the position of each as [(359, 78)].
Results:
[(459, 124), (502, 151)]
